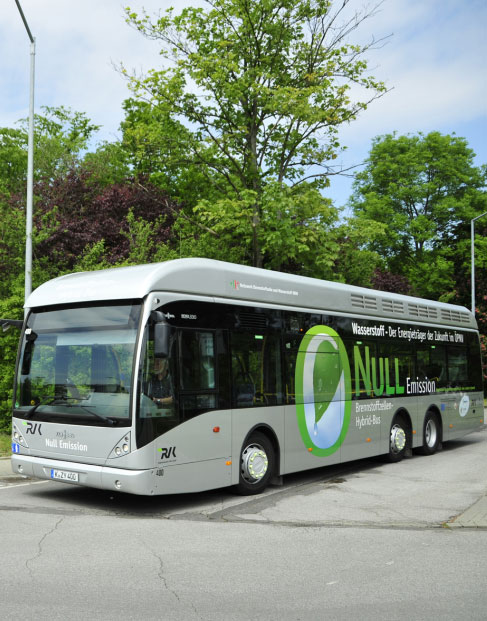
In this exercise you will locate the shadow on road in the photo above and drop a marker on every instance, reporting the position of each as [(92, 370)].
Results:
[(63, 498)]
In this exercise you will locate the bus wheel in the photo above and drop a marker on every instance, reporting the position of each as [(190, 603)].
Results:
[(256, 464), (397, 439), (431, 434)]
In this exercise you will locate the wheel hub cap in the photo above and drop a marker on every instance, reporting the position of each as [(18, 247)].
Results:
[(254, 464), (398, 439)]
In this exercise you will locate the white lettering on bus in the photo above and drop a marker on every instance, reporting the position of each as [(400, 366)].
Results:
[(368, 330), (420, 387), (367, 421), (73, 446)]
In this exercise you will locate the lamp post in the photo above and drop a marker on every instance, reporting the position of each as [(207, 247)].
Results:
[(472, 247), (30, 162)]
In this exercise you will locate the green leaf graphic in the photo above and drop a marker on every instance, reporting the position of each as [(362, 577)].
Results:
[(326, 377)]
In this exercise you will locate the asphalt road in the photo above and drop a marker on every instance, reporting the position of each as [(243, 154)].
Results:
[(364, 541)]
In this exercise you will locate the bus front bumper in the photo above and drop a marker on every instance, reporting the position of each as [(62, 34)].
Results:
[(142, 482)]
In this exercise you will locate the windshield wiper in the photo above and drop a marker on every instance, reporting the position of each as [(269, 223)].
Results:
[(66, 402), (110, 421), (47, 401)]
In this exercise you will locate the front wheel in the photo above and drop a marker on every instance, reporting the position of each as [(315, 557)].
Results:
[(257, 461), (398, 439), (431, 434)]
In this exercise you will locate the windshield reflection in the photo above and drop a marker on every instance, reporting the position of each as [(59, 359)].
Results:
[(77, 363)]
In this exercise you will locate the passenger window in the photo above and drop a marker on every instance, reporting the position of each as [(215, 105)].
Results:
[(291, 346), (197, 360), (432, 364), (256, 370), (197, 366), (458, 367)]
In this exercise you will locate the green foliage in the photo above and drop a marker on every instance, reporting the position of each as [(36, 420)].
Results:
[(254, 95), (356, 264), (60, 137), (12, 244), (5, 445), (157, 145), (144, 246), (296, 232), (11, 307), (422, 189), (107, 165), (93, 258), (13, 161)]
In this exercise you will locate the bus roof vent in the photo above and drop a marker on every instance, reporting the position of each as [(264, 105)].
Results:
[(364, 301), (393, 306), (455, 316), (422, 311)]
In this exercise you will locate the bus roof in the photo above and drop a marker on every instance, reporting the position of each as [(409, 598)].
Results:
[(219, 279)]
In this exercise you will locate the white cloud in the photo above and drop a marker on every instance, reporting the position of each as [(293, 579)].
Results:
[(76, 46), (434, 63)]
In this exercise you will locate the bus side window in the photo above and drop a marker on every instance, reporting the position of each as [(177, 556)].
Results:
[(291, 346), (197, 360), (457, 367), (474, 361), (256, 369), (431, 364), (197, 373)]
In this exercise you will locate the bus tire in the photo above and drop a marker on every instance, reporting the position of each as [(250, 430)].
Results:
[(398, 439), (431, 434), (256, 466)]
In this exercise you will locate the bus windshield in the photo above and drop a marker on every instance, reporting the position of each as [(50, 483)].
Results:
[(76, 364)]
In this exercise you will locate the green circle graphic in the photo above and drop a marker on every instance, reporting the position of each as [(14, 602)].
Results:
[(323, 390)]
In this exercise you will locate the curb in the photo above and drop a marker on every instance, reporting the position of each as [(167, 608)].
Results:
[(473, 517)]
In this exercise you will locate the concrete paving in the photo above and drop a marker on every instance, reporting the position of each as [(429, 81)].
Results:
[(5, 469), (474, 517)]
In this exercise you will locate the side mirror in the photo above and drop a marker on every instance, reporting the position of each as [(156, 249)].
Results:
[(161, 340), (30, 337)]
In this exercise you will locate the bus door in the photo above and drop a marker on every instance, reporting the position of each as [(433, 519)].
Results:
[(205, 425)]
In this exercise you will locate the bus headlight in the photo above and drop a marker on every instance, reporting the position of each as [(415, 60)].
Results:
[(17, 436), (122, 447)]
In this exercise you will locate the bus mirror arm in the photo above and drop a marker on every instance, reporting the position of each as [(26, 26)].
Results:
[(7, 323)]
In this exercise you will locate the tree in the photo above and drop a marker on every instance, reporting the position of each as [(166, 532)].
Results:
[(73, 216), (60, 139), (13, 161), (424, 189), (253, 97)]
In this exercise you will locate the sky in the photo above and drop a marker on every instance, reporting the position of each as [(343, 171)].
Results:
[(434, 62)]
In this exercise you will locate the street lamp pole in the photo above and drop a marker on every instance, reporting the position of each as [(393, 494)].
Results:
[(30, 162), (472, 251)]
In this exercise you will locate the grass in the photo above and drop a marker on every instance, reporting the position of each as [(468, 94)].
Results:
[(5, 445)]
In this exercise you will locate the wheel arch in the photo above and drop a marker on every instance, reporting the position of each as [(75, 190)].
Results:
[(404, 413), (406, 416)]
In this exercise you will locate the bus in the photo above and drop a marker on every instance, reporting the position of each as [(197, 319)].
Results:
[(195, 374)]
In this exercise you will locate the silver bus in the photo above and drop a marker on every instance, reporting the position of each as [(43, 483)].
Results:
[(197, 374)]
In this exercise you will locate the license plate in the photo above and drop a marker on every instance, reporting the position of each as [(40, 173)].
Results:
[(64, 475)]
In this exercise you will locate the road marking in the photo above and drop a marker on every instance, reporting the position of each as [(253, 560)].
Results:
[(9, 485)]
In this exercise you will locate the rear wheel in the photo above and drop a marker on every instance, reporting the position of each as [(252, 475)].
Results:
[(257, 461), (398, 439), (431, 434)]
